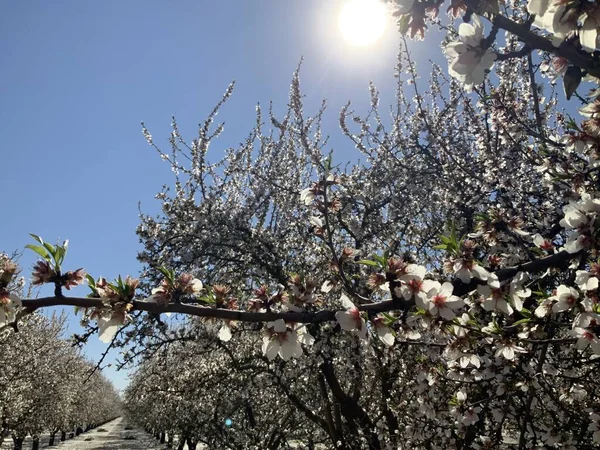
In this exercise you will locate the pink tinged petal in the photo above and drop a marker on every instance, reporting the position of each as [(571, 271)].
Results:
[(560, 306), (316, 221), (107, 329), (346, 302), (279, 326), (446, 289), (307, 196), (454, 302), (503, 306), (362, 331), (286, 349), (265, 344), (421, 300), (480, 272), (385, 334), (484, 290), (430, 285), (447, 313), (15, 300), (417, 271), (271, 348), (493, 281), (488, 304), (196, 285), (326, 286), (575, 243), (574, 218), (539, 7), (151, 299), (464, 275), (306, 338), (518, 302), (297, 353), (433, 309), (563, 291), (542, 310), (538, 240), (582, 343), (466, 30), (404, 292), (455, 49), (508, 352), (225, 333), (346, 320)]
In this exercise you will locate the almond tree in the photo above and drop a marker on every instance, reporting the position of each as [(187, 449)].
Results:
[(444, 291)]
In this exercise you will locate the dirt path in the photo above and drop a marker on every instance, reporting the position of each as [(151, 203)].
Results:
[(113, 439)]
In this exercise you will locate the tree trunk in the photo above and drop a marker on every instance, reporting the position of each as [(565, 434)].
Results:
[(18, 443), (36, 442), (191, 444), (162, 437), (181, 443), (63, 436), (170, 440), (51, 441)]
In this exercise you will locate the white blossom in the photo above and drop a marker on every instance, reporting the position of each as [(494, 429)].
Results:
[(468, 60), (441, 301), (351, 320)]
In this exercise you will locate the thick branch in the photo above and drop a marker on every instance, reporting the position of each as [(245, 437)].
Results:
[(536, 42), (460, 288)]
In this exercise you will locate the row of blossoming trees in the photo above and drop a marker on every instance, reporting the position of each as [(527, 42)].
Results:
[(46, 386), (442, 293)]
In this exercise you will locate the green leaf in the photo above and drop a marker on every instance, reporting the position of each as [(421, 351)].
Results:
[(39, 250), (169, 274), (522, 321), (207, 299), (403, 23), (64, 249), (367, 262), (381, 260), (120, 285), (37, 238), (526, 313), (328, 162), (440, 247), (571, 80), (446, 240), (91, 281), (59, 257), (50, 249)]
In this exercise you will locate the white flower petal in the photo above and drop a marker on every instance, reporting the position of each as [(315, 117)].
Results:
[(225, 333)]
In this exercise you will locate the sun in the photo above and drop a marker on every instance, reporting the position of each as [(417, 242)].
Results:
[(362, 22)]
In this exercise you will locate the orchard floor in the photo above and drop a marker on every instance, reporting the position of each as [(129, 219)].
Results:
[(112, 439)]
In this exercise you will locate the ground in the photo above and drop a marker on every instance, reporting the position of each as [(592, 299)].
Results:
[(112, 439)]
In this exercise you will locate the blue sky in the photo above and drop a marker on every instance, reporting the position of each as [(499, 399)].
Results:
[(78, 77)]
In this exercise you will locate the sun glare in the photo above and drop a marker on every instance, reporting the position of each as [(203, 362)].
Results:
[(362, 22)]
